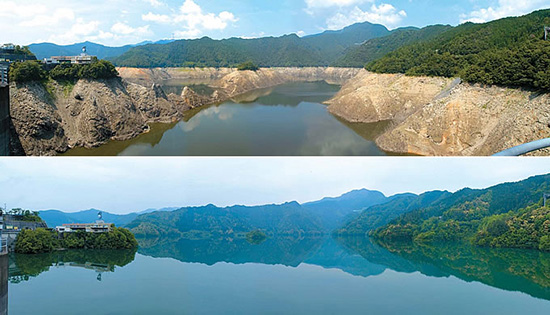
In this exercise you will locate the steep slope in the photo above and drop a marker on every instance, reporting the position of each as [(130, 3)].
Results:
[(460, 215), (379, 215), (284, 51), (373, 49), (50, 118)]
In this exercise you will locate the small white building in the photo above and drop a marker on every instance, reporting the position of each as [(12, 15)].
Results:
[(83, 58)]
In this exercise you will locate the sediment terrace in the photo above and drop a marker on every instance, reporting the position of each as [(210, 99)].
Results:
[(430, 116)]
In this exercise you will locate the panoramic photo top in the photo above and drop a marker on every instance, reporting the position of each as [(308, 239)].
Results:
[(275, 78)]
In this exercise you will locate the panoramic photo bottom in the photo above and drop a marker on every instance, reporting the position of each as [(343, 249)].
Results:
[(275, 236)]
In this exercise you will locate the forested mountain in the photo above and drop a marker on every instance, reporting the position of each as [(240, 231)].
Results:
[(55, 218), (359, 56), (333, 211), (379, 215), (313, 217), (509, 51), (288, 50), (502, 210), (288, 218)]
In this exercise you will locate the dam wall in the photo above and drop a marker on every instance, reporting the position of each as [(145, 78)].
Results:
[(4, 120)]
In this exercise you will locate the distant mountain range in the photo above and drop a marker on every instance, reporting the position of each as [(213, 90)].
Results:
[(55, 218), (46, 50)]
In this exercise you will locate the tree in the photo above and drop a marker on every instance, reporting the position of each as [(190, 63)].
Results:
[(34, 242), (26, 71), (248, 65)]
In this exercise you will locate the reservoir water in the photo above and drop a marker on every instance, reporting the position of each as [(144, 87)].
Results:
[(281, 276), (286, 120)]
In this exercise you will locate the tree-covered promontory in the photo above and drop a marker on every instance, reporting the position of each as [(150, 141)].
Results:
[(44, 241)]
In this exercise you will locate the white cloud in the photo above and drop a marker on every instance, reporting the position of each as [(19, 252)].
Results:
[(157, 18), (125, 29), (385, 14), (504, 8), (193, 20), (155, 3)]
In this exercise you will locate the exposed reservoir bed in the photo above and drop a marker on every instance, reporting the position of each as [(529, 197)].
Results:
[(289, 119)]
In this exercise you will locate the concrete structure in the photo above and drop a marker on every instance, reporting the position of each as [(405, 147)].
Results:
[(11, 225), (4, 119), (4, 276)]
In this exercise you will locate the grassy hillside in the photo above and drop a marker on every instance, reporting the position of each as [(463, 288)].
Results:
[(288, 50), (373, 49), (508, 52), (466, 213)]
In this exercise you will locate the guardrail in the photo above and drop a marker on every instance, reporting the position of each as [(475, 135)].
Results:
[(526, 148)]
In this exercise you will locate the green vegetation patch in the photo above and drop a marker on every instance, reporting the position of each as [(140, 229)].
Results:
[(249, 65), (29, 70), (44, 241), (256, 237)]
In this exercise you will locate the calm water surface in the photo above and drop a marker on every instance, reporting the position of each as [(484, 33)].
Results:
[(286, 120), (281, 276)]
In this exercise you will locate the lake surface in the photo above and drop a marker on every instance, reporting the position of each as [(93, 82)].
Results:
[(287, 120), (281, 276)]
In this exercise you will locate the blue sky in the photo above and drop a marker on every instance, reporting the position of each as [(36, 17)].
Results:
[(122, 185), (118, 22)]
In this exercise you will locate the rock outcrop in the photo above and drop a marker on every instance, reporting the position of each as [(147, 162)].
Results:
[(51, 119), (439, 116), (472, 121), (373, 97)]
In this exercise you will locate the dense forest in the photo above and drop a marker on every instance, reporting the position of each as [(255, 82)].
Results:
[(317, 217), (506, 215), (373, 49), (284, 51), (509, 52), (380, 215)]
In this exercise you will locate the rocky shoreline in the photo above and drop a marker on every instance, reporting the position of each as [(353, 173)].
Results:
[(430, 116), (444, 117), (51, 118)]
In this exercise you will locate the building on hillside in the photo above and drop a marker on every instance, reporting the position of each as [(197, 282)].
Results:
[(83, 58), (98, 227)]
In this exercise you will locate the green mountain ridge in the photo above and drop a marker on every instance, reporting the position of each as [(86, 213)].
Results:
[(284, 51), (509, 52), (515, 207), (373, 49)]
